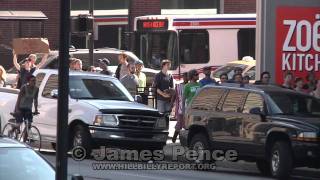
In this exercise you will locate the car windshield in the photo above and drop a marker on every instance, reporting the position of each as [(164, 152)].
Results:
[(96, 88), (295, 104), (24, 163), (228, 69)]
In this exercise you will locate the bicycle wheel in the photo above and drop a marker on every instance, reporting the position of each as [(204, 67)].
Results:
[(9, 131), (34, 138)]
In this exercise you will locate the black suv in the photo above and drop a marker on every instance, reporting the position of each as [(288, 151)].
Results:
[(279, 129)]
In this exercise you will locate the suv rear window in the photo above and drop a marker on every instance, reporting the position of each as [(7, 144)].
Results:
[(234, 100), (207, 99)]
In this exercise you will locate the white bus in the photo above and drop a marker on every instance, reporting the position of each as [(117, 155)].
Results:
[(194, 41)]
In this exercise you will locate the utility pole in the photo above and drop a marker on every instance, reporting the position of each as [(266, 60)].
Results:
[(91, 35), (63, 91)]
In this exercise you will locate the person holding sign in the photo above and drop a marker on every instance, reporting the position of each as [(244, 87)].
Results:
[(27, 68)]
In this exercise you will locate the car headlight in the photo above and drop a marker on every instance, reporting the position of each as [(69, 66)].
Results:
[(106, 120), (161, 123), (308, 136)]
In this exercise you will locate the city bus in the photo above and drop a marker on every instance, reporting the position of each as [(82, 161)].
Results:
[(194, 41)]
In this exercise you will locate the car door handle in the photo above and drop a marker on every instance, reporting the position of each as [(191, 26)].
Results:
[(69, 110)]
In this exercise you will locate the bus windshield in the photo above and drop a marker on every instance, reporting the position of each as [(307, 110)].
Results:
[(153, 47)]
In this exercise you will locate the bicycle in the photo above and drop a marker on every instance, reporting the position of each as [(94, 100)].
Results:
[(31, 136)]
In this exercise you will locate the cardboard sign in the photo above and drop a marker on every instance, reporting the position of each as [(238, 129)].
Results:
[(30, 45), (297, 41)]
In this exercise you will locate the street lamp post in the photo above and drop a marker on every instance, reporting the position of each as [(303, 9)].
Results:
[(91, 35)]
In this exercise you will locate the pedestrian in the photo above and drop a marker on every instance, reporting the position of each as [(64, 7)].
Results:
[(72, 64), (207, 79), (299, 85), (163, 84), (223, 78), (27, 96), (122, 69), (191, 88), (141, 76), (316, 92), (130, 81), (288, 77), (28, 67), (92, 69), (3, 76), (264, 78), (179, 106), (237, 78), (77, 65), (311, 82), (103, 64), (246, 79)]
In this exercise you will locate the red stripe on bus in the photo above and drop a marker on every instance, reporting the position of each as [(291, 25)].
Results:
[(214, 23)]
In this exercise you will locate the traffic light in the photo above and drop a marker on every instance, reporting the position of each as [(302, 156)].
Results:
[(83, 23)]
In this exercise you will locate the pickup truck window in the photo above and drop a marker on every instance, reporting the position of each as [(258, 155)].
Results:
[(52, 84), (95, 88), (39, 78), (295, 104)]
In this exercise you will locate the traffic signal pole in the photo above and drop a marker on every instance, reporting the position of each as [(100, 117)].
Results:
[(63, 91)]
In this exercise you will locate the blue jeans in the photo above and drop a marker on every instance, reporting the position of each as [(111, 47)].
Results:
[(163, 106)]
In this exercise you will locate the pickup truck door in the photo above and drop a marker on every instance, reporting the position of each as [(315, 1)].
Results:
[(46, 121)]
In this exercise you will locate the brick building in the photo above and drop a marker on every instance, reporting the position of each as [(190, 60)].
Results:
[(111, 18)]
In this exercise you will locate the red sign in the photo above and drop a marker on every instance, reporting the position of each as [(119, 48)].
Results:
[(149, 25), (154, 24), (297, 41)]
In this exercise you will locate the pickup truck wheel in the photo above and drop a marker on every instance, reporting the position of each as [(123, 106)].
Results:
[(281, 160), (264, 167), (199, 143), (81, 137)]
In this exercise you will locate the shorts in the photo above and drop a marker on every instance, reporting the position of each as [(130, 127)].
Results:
[(25, 114)]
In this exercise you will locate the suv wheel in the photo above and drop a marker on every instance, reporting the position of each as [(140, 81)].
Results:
[(81, 137), (199, 143), (264, 167), (281, 160)]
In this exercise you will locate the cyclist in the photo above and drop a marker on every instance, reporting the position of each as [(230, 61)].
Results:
[(28, 95)]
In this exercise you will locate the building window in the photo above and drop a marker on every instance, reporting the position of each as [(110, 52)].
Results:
[(189, 4), (246, 43), (194, 46)]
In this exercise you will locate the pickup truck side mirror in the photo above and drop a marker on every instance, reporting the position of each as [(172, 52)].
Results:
[(138, 98), (54, 93)]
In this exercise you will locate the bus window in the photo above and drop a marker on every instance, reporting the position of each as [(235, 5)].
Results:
[(246, 43), (194, 46), (153, 47)]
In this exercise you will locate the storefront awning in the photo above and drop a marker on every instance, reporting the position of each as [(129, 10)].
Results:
[(22, 15)]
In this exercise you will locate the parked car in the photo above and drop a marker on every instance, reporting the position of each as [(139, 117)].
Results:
[(110, 53), (101, 111), (21, 162), (277, 128), (248, 67)]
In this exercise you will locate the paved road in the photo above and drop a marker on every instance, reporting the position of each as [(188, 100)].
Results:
[(225, 170)]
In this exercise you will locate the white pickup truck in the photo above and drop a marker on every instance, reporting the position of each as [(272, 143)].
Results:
[(101, 112)]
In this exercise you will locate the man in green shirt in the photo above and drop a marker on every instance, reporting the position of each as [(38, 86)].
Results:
[(191, 88)]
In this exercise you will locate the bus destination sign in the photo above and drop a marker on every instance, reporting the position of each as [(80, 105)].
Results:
[(152, 24)]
